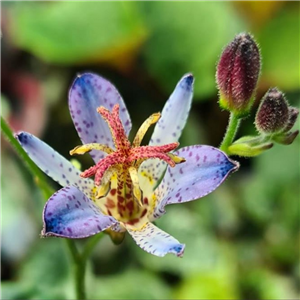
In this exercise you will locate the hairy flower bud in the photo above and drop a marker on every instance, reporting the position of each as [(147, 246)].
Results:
[(273, 113), (293, 115), (237, 74)]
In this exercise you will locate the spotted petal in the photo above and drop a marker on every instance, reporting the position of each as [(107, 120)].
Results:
[(168, 129), (88, 92), (155, 241), (69, 213), (52, 163), (204, 170)]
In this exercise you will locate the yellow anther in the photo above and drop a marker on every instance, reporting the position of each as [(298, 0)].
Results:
[(103, 190), (136, 187), (176, 159), (88, 147), (143, 129)]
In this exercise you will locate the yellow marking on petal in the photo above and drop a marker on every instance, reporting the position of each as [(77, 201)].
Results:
[(88, 147), (93, 193), (153, 202), (148, 176), (143, 129), (136, 187), (176, 159)]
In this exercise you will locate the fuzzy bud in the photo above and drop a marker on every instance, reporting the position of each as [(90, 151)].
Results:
[(237, 74), (293, 115), (273, 113)]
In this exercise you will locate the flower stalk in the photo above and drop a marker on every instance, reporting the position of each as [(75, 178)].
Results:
[(232, 127)]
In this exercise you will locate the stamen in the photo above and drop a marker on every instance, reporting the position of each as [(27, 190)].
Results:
[(103, 190), (143, 129), (82, 149), (136, 187), (176, 159)]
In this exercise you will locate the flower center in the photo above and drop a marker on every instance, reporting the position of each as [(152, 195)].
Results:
[(118, 192)]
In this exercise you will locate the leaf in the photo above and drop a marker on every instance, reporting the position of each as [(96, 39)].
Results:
[(46, 271), (131, 284), (280, 49), (213, 284), (65, 32), (15, 291), (188, 37), (263, 284)]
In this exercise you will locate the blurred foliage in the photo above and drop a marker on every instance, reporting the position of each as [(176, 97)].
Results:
[(180, 42), (242, 241), (279, 43), (78, 32)]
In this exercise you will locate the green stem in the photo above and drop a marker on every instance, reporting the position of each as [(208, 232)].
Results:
[(79, 262), (79, 265), (231, 130), (34, 170), (90, 244)]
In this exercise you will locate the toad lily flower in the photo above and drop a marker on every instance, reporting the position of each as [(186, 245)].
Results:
[(127, 191)]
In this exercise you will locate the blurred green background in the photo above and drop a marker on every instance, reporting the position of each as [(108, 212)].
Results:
[(242, 241)]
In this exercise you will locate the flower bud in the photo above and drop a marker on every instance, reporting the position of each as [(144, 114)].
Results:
[(293, 115), (273, 113), (237, 74)]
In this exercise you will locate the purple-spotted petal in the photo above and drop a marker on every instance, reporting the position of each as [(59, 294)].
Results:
[(69, 213), (168, 129), (88, 92), (204, 170), (52, 163), (155, 241)]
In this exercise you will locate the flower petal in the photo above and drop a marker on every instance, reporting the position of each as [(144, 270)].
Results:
[(204, 170), (53, 164), (175, 112), (88, 92), (168, 129), (69, 213), (155, 241)]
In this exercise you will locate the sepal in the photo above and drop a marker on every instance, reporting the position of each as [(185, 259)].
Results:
[(249, 146), (286, 138)]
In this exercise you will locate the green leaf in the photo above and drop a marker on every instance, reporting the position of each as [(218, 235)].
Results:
[(131, 284), (46, 271), (15, 291), (188, 37), (279, 43), (263, 284), (66, 32)]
